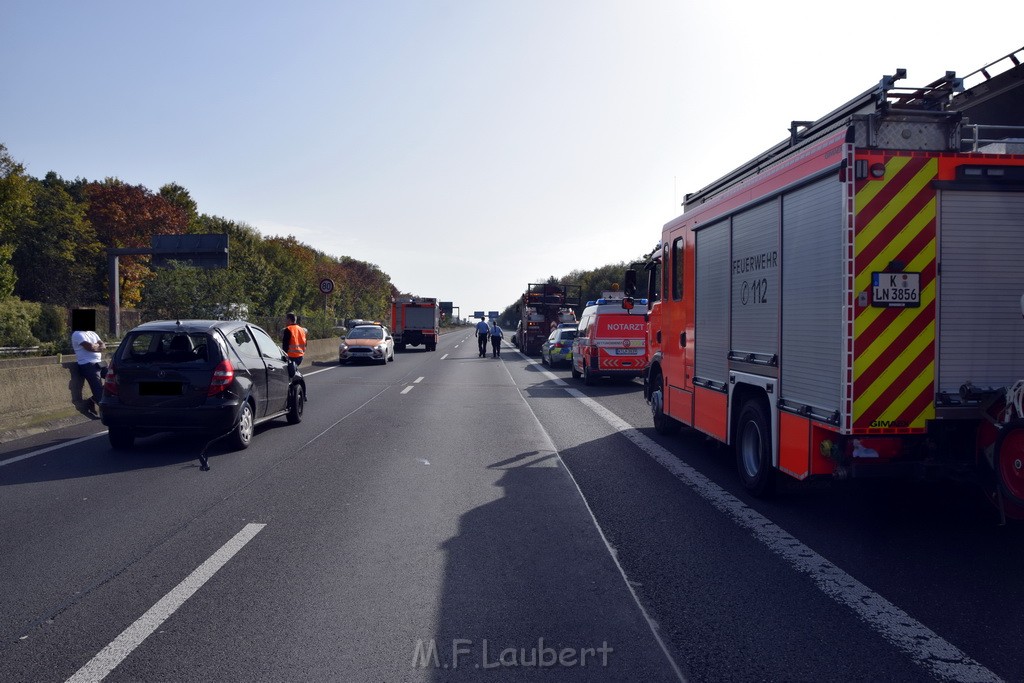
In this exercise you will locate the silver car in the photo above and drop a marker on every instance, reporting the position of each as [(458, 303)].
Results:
[(367, 343)]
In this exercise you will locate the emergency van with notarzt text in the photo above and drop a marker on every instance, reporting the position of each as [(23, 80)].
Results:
[(611, 340), (848, 303)]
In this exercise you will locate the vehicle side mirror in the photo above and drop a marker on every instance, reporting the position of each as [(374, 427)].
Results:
[(652, 282), (629, 283)]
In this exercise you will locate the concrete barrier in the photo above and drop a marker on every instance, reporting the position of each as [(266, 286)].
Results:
[(46, 392)]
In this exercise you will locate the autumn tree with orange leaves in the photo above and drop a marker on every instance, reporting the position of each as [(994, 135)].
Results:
[(129, 216)]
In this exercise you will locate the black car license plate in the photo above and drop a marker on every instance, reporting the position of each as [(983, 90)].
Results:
[(160, 388)]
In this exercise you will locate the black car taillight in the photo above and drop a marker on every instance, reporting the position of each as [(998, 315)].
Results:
[(223, 376), (110, 381)]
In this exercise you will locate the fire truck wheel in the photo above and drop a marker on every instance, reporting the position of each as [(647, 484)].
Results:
[(588, 379), (1009, 465), (575, 372), (754, 449), (663, 424)]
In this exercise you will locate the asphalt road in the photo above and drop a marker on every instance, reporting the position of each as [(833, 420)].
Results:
[(449, 517)]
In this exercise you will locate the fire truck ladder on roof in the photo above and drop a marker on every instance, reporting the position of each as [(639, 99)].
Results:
[(993, 103), (992, 71), (882, 98)]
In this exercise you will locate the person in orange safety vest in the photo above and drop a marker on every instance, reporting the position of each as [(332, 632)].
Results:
[(293, 339)]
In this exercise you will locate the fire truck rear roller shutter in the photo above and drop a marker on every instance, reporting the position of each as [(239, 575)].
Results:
[(979, 308), (812, 296)]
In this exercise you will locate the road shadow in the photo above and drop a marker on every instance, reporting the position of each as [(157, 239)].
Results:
[(530, 590), (698, 572), (95, 457), (617, 388)]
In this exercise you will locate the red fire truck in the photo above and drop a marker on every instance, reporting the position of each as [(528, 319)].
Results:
[(415, 321), (848, 302)]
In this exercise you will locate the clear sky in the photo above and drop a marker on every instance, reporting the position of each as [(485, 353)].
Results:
[(467, 147)]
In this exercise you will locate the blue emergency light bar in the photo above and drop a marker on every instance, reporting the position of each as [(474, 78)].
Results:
[(599, 302)]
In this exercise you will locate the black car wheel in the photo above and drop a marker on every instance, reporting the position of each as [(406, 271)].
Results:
[(295, 405), (241, 437)]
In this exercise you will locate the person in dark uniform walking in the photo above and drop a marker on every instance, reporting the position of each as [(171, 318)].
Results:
[(482, 330), (496, 337)]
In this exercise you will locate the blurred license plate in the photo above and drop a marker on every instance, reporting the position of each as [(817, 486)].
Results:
[(160, 388), (628, 352)]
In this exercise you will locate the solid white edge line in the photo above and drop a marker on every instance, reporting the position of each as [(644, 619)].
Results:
[(651, 624), (26, 456), (113, 654), (317, 372), (907, 634)]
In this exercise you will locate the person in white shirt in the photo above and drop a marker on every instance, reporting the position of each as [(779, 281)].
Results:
[(88, 353)]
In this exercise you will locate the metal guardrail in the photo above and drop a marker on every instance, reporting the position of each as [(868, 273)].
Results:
[(18, 350), (974, 137)]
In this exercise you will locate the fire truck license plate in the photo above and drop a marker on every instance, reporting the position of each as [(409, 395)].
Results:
[(628, 352), (896, 289)]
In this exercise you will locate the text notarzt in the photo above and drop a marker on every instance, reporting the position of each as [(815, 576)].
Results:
[(466, 653)]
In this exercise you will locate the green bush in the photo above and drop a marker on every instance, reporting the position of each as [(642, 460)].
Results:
[(52, 326), (17, 318)]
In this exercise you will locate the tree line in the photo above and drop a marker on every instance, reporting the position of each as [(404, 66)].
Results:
[(54, 234)]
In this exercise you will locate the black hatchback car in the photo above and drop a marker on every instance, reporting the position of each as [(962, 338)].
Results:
[(206, 376)]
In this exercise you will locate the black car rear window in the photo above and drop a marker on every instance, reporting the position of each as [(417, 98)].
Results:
[(166, 347)]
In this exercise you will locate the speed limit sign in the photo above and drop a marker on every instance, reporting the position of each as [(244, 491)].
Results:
[(327, 285)]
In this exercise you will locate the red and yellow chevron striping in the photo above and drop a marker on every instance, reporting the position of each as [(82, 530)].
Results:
[(894, 348)]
